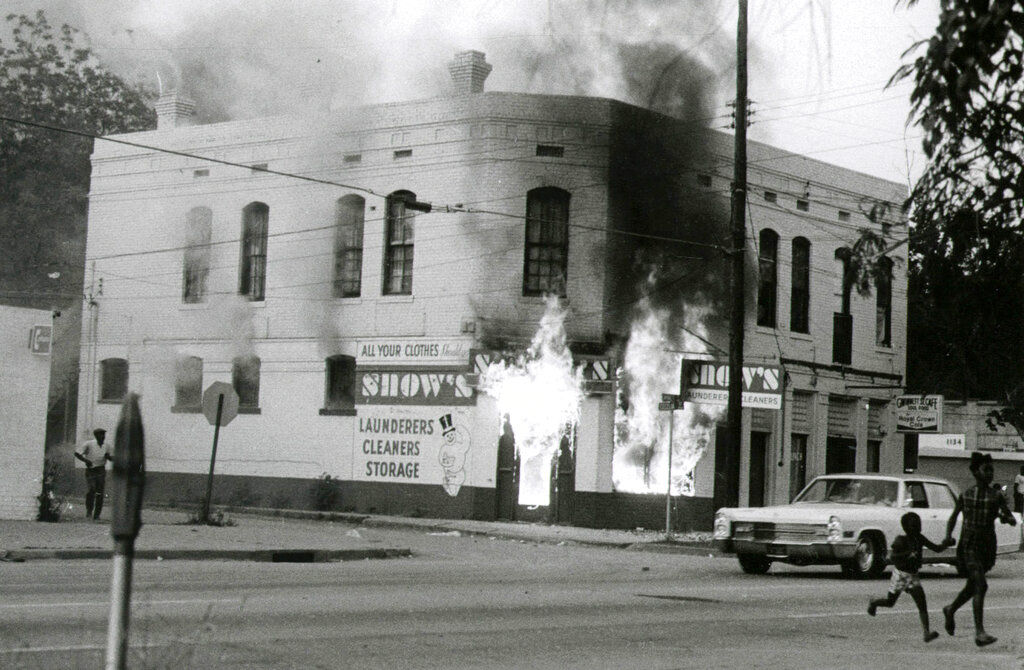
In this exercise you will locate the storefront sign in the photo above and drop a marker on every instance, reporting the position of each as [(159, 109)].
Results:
[(708, 382), (919, 414), (412, 351), (956, 441), (413, 386), (413, 445)]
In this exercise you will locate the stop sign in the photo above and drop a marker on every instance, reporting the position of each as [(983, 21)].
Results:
[(228, 411)]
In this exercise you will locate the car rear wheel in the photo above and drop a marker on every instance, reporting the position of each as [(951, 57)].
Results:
[(868, 560), (752, 564)]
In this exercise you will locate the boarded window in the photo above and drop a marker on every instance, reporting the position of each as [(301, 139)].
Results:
[(245, 378), (252, 274), (188, 382), (398, 244), (802, 411), (768, 255), (841, 416), (196, 264), (348, 246), (113, 379), (547, 242)]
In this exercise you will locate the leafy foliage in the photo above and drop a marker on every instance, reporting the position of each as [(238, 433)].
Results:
[(967, 246), (47, 76)]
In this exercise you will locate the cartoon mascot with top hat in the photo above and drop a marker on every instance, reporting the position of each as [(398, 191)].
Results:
[(452, 454)]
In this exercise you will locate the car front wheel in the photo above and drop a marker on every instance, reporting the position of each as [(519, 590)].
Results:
[(868, 560), (753, 564)]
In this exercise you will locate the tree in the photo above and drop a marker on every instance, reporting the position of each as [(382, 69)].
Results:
[(967, 244), (48, 76)]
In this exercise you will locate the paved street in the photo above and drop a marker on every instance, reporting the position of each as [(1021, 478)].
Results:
[(472, 601)]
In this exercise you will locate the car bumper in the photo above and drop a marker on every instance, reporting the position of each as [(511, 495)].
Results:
[(814, 552)]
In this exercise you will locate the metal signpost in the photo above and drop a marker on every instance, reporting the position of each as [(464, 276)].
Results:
[(220, 406), (129, 478), (669, 403)]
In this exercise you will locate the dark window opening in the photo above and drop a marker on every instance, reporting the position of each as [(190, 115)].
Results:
[(767, 262), (551, 150), (399, 231), (771, 196), (348, 246), (352, 158), (704, 179), (196, 265), (258, 167), (844, 216), (803, 205), (883, 304), (113, 379), (252, 275), (245, 378), (200, 173), (800, 298), (403, 153), (547, 242), (340, 391)]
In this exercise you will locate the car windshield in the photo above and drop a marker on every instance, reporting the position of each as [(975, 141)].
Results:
[(850, 491)]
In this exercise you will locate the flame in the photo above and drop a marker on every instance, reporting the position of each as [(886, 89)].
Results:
[(649, 369), (541, 394)]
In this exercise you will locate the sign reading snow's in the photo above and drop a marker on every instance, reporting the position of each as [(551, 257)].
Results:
[(708, 382), (413, 386)]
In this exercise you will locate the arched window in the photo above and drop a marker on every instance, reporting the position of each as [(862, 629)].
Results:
[(767, 287), (113, 379), (348, 246), (196, 265), (245, 378), (800, 291), (883, 303), (546, 253), (188, 383), (252, 273), (340, 392), (398, 244)]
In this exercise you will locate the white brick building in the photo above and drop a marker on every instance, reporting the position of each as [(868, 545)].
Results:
[(312, 295)]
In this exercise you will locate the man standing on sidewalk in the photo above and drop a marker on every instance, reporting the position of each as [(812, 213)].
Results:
[(95, 455)]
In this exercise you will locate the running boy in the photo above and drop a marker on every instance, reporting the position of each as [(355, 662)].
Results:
[(906, 561), (981, 505)]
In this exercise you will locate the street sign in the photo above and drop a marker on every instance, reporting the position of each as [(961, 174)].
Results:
[(39, 339), (670, 401), (228, 411)]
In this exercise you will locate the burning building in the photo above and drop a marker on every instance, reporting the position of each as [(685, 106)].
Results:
[(471, 306)]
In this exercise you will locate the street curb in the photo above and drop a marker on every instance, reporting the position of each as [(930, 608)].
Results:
[(259, 555), (706, 551)]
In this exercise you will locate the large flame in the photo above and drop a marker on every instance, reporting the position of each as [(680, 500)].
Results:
[(541, 394), (651, 367)]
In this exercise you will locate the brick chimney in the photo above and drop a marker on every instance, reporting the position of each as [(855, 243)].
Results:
[(469, 69), (173, 110)]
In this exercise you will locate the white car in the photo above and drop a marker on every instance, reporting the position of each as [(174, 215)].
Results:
[(849, 520)]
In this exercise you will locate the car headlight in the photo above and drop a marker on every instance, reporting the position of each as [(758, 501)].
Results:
[(834, 528), (721, 527)]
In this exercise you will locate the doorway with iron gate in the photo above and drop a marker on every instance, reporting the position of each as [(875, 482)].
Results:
[(507, 477), (563, 479)]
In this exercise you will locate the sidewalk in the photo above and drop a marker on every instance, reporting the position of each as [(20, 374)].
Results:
[(296, 536)]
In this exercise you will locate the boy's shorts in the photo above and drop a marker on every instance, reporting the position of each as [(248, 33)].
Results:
[(903, 581)]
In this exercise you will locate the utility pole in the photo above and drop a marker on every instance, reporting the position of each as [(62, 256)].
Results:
[(729, 467)]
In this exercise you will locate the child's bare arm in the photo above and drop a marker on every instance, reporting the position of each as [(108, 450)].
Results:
[(933, 546)]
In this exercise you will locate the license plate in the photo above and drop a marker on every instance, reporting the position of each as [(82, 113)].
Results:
[(776, 550)]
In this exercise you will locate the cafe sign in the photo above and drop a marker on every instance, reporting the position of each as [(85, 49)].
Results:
[(919, 414)]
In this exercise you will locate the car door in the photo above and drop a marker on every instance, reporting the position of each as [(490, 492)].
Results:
[(941, 502)]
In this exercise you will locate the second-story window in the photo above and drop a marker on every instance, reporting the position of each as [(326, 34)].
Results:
[(348, 246), (252, 273), (767, 287), (339, 393), (545, 264), (196, 265), (883, 304), (399, 227), (800, 294)]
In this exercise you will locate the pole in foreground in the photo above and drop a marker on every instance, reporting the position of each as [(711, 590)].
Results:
[(129, 478), (213, 459), (668, 489)]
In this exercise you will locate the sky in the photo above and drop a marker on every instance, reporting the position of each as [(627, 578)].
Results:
[(818, 68)]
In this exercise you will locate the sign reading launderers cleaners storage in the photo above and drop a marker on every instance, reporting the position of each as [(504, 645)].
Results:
[(708, 382), (919, 414)]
